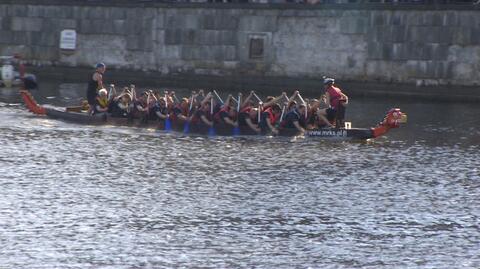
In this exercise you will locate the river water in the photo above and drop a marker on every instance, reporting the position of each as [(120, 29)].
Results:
[(74, 196)]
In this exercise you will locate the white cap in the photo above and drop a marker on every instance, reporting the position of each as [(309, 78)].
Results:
[(102, 92)]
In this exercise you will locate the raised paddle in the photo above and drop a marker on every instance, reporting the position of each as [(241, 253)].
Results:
[(211, 130), (216, 94), (258, 98), (306, 108)]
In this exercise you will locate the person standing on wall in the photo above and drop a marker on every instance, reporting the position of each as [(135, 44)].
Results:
[(95, 83)]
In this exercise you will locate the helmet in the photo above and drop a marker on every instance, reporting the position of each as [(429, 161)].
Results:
[(328, 81), (99, 65)]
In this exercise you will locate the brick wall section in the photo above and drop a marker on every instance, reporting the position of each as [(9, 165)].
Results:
[(411, 44)]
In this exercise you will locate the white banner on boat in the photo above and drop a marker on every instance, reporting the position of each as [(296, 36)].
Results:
[(68, 39)]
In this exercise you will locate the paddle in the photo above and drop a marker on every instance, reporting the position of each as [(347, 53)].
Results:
[(211, 130), (306, 108), (186, 126), (281, 116), (168, 123), (216, 94), (258, 98), (236, 129), (112, 92), (147, 110)]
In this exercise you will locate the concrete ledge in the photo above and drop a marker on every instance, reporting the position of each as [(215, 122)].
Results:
[(164, 4), (266, 85)]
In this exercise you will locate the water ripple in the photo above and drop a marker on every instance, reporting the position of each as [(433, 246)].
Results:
[(108, 197)]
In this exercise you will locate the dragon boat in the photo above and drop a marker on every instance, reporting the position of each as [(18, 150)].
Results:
[(392, 119)]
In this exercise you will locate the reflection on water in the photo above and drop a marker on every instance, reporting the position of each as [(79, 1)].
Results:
[(77, 196)]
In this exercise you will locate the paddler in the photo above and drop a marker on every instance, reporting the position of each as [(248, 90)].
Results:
[(248, 115), (121, 105), (159, 110), (204, 113), (227, 113), (181, 110), (101, 102), (269, 119), (95, 83), (296, 118)]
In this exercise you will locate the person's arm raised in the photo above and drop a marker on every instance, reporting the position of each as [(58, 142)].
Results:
[(274, 100), (247, 100)]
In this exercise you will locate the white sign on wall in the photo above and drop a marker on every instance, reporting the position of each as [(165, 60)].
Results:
[(68, 39)]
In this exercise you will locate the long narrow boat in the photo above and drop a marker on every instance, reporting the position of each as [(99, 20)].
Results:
[(392, 119)]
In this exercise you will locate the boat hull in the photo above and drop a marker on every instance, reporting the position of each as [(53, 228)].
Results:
[(202, 129)]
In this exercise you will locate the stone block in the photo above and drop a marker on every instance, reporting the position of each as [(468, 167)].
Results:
[(187, 36), (398, 18), (462, 37), (189, 21), (475, 36), (414, 50), (434, 34), (137, 42), (51, 11), (440, 68), (378, 18), (44, 53), (206, 37), (3, 10), (26, 24), (58, 24), (414, 18), (169, 52), (6, 23), (173, 36), (377, 33), (159, 36), (468, 19), (353, 25), (118, 26), (375, 50), (187, 53), (220, 22), (258, 24), (17, 11), (20, 38), (44, 39), (432, 18), (418, 34), (440, 52), (115, 13), (6, 37), (229, 53), (399, 52), (446, 34), (3, 22), (450, 18)]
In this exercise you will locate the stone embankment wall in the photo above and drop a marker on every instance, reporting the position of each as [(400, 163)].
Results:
[(405, 44)]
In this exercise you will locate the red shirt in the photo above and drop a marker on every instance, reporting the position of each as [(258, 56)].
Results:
[(335, 96)]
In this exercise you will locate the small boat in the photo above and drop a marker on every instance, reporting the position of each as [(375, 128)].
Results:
[(393, 119), (11, 78)]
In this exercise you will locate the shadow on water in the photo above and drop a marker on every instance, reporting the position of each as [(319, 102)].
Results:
[(74, 196)]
